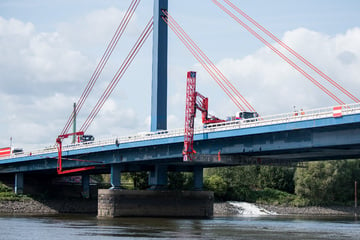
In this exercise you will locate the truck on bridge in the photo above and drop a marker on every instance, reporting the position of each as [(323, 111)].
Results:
[(7, 151), (246, 116)]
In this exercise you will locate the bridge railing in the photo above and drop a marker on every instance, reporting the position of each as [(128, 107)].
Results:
[(295, 116), (229, 125)]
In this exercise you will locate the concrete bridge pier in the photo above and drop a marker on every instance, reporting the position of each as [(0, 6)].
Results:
[(157, 201)]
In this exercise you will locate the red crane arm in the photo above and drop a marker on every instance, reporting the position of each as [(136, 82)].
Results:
[(194, 100), (202, 104), (59, 148)]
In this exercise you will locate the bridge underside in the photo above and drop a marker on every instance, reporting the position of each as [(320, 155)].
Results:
[(224, 148)]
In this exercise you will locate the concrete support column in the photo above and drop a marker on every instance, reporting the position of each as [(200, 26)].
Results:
[(115, 178), (158, 178), (19, 183), (85, 180), (198, 178)]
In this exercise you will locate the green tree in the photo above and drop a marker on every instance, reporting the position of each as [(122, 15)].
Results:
[(180, 181), (326, 182), (240, 182), (216, 184), (275, 177), (139, 179)]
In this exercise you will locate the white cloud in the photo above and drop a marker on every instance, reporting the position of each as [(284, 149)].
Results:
[(39, 73), (175, 122), (49, 59), (37, 63), (273, 86), (95, 28), (14, 27)]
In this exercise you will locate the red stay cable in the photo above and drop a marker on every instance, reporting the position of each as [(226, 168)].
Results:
[(110, 48), (338, 86), (125, 21), (324, 89), (201, 61), (211, 64), (126, 63), (207, 63)]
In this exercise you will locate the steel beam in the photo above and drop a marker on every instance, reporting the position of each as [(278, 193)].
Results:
[(19, 183), (115, 178), (85, 180), (159, 68), (198, 178)]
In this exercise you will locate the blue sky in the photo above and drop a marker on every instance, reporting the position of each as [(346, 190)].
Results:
[(49, 49)]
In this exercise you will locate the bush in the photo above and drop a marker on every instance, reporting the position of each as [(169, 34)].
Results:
[(180, 181), (10, 196), (280, 178), (324, 183), (4, 188), (6, 194), (241, 193), (275, 197), (216, 184)]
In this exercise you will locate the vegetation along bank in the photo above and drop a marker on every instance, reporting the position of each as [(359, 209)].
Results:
[(307, 188)]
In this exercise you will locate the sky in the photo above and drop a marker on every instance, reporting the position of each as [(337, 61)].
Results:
[(49, 49)]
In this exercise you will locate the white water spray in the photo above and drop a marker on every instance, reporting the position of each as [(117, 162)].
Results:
[(249, 209)]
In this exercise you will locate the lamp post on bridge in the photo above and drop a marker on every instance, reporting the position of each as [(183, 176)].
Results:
[(74, 124)]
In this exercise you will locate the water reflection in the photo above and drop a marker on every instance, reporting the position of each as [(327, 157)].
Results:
[(71, 227)]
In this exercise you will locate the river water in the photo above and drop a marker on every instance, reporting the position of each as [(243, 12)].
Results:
[(79, 227)]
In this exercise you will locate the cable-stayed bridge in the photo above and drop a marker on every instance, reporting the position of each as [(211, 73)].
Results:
[(306, 135)]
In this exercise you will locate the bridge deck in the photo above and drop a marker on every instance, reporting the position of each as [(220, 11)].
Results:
[(315, 134)]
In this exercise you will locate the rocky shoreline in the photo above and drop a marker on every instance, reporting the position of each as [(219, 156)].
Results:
[(48, 207), (84, 206), (228, 209)]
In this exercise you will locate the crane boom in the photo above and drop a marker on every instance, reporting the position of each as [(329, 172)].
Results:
[(190, 112), (59, 147), (194, 101)]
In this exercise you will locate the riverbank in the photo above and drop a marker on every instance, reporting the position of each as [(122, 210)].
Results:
[(231, 209), (47, 207), (85, 206), (313, 210)]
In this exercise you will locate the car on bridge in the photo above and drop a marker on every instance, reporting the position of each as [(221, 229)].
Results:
[(87, 138), (17, 151), (247, 116)]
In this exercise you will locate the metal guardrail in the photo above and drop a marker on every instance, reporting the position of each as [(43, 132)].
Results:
[(223, 126)]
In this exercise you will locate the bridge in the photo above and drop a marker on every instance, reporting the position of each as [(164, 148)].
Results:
[(319, 134), (312, 134)]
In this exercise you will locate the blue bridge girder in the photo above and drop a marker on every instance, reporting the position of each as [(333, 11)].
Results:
[(296, 140)]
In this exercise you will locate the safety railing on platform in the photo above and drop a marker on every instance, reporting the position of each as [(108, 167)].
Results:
[(223, 126)]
